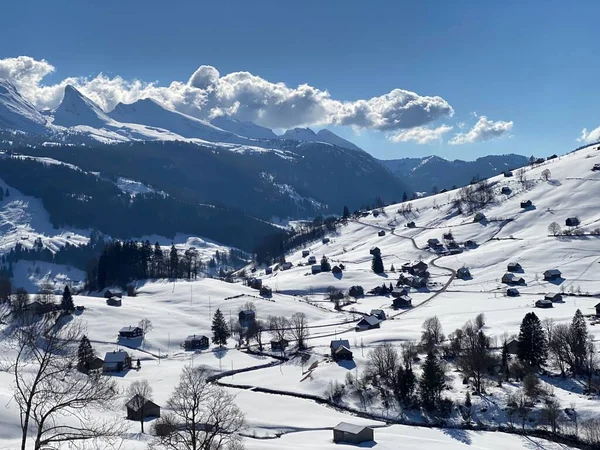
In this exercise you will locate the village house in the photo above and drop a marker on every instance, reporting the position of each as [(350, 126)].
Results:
[(514, 267), (403, 301), (195, 342), (41, 308), (375, 251), (596, 167), (552, 274), (418, 268), (379, 313), (268, 271), (411, 225), (116, 361), (543, 304), (506, 190), (433, 242), (381, 233), (312, 260), (511, 278), (315, 269), (110, 293), (479, 217), (279, 345), (325, 240), (305, 253), (352, 434), (572, 222), (266, 291), (340, 350), (130, 332), (463, 273), (554, 297), (399, 292), (255, 283), (246, 318), (367, 323), (512, 292), (470, 243), (508, 174), (336, 270), (526, 204), (139, 408), (114, 301), (286, 265), (512, 346)]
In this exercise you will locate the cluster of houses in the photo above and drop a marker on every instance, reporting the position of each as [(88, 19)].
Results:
[(414, 274), (450, 246), (114, 297), (371, 320)]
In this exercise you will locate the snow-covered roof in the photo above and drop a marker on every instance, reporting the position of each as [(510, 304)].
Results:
[(349, 428), (115, 357), (339, 343)]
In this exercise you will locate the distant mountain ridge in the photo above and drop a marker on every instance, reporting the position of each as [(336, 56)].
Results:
[(425, 174)]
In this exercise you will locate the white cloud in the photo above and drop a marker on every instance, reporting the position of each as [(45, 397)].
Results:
[(241, 94), (589, 136), (421, 135), (483, 130)]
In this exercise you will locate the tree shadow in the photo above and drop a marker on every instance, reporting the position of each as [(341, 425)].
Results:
[(339, 276), (554, 183), (557, 281), (458, 434), (220, 352)]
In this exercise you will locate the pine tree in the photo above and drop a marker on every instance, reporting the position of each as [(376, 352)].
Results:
[(174, 262), (504, 361), (377, 264), (220, 329), (532, 346), (85, 354), (579, 339), (66, 304), (346, 213), (432, 382), (404, 197), (406, 384), (325, 265)]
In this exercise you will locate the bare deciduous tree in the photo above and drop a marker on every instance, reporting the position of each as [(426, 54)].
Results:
[(279, 327), (138, 394), (551, 413), (57, 403), (408, 353), (545, 175), (383, 362), (432, 335), (299, 327), (146, 326), (554, 229), (201, 416)]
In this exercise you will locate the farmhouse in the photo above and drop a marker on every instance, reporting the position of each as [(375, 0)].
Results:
[(411, 225), (404, 301), (554, 297), (375, 251), (470, 243), (433, 242), (508, 174), (312, 260), (279, 345), (40, 308), (552, 274), (352, 434), (506, 190), (255, 283), (463, 273), (195, 342), (572, 222), (511, 278), (381, 233), (340, 350), (543, 303), (367, 323), (399, 292), (130, 332), (512, 346), (114, 301), (514, 267), (379, 313), (246, 318), (596, 167), (315, 269), (116, 361), (266, 291), (139, 408), (286, 265), (268, 271), (305, 253), (526, 204), (417, 268), (512, 292), (325, 240), (336, 270)]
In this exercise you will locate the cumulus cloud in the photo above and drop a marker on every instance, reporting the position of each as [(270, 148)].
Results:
[(245, 96), (421, 135), (483, 130), (589, 136)]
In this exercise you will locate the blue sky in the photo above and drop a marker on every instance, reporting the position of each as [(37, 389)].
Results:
[(533, 63)]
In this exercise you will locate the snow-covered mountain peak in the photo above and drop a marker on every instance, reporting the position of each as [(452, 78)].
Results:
[(300, 134), (243, 128), (76, 109), (16, 113)]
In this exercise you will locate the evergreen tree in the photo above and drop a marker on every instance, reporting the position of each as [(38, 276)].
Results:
[(579, 339), (220, 329), (325, 266), (66, 303), (174, 262), (532, 346), (85, 354), (404, 197), (346, 213), (432, 382), (377, 264), (406, 384), (504, 361)]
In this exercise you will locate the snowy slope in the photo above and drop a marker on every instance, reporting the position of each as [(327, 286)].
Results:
[(324, 135), (16, 113), (150, 113), (243, 128)]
